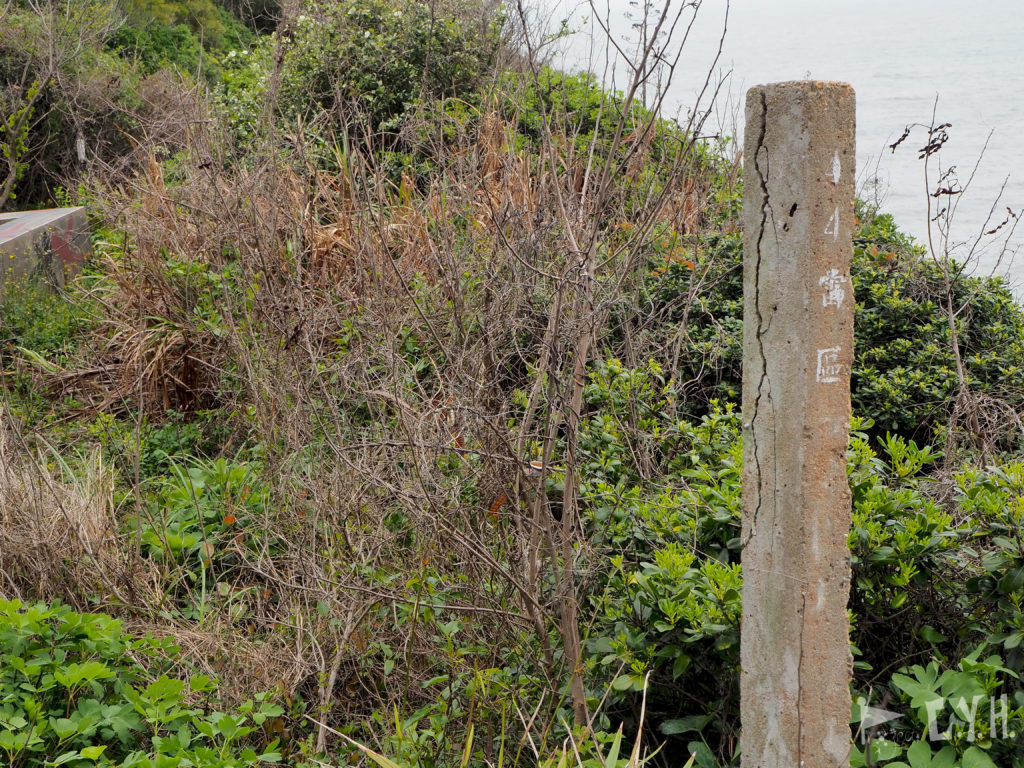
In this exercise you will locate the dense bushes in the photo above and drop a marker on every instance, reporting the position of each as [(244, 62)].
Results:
[(934, 574), (904, 375), (154, 45), (413, 398), (334, 66)]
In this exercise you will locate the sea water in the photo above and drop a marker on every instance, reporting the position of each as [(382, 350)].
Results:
[(911, 62)]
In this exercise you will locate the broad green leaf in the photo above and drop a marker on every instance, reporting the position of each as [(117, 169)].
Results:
[(919, 754), (94, 752), (680, 665), (74, 674), (882, 750), (702, 754), (976, 757), (1013, 581), (63, 727), (67, 757), (684, 724), (622, 683), (930, 635), (945, 758), (920, 693)]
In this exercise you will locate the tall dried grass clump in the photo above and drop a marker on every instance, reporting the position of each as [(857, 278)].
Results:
[(59, 536)]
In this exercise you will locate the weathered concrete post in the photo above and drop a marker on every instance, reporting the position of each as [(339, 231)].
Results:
[(797, 350)]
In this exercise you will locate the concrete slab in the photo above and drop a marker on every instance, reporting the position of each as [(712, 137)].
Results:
[(49, 245)]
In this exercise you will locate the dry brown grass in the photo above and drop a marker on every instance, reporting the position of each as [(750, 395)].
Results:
[(59, 533)]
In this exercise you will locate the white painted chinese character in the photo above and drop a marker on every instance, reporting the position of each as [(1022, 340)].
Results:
[(829, 367), (834, 292), (832, 227)]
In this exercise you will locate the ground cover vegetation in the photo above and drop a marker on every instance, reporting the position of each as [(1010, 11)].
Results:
[(394, 419)]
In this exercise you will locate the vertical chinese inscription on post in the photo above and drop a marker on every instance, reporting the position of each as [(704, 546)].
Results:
[(829, 367), (833, 293)]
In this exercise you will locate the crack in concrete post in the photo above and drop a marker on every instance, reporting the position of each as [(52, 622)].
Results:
[(762, 177), (764, 388)]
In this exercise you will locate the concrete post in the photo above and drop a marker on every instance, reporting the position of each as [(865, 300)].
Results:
[(797, 351)]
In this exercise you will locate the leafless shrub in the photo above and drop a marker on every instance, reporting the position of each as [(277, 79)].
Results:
[(45, 42), (978, 420)]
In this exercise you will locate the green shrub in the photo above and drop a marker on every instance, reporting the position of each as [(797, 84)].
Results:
[(964, 714), (711, 355), (669, 609), (205, 18), (904, 375), (157, 46), (576, 102), (936, 573), (367, 58), (188, 40), (194, 518), (72, 693), (182, 436)]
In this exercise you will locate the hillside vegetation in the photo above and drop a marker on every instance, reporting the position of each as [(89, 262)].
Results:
[(395, 418)]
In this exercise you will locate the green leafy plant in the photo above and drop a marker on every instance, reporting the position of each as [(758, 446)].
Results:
[(967, 716), (71, 693), (41, 320), (198, 516), (370, 57)]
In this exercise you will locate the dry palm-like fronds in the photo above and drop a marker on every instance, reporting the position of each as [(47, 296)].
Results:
[(686, 209), (149, 350)]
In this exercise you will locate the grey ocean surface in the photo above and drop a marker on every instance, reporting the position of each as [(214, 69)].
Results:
[(900, 56)]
